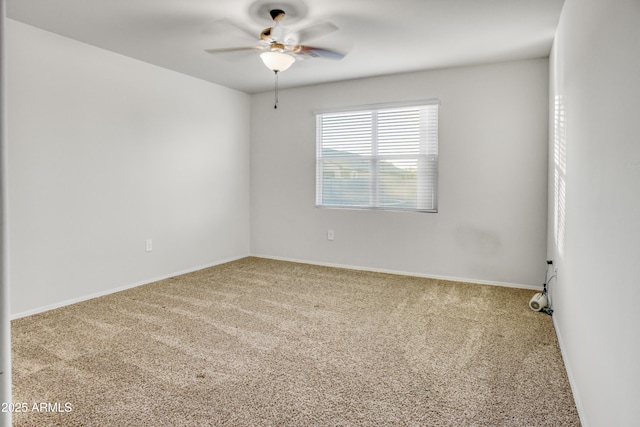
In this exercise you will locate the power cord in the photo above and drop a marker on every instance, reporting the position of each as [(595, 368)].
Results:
[(547, 280)]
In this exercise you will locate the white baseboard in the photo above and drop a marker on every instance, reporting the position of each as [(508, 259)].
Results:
[(567, 367), (190, 270), (403, 273), (119, 289)]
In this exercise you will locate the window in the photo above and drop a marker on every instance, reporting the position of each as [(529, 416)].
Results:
[(378, 158)]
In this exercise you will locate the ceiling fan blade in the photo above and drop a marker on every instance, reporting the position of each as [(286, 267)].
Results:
[(227, 27), (318, 52), (233, 49), (315, 31)]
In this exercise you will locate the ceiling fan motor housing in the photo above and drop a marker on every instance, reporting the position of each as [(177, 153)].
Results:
[(277, 15)]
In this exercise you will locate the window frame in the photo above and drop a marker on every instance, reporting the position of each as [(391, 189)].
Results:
[(375, 158)]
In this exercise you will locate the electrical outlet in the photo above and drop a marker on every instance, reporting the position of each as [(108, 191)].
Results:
[(148, 245), (330, 235)]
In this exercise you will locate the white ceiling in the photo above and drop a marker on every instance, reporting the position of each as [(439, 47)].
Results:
[(381, 36)]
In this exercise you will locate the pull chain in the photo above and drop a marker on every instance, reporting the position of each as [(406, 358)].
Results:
[(276, 90)]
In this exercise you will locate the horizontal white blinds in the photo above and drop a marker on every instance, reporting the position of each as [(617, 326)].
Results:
[(347, 133), (385, 158)]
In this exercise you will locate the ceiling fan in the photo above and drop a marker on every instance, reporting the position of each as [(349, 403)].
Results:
[(281, 47)]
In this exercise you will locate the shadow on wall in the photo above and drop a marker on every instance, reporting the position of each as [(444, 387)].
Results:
[(477, 242)]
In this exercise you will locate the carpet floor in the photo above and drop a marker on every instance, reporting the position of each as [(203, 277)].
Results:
[(259, 342)]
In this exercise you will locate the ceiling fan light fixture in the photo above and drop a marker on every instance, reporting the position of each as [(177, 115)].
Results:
[(277, 61)]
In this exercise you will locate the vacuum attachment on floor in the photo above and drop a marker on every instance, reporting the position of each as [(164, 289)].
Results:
[(538, 302)]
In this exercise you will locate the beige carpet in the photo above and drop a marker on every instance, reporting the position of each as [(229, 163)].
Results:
[(259, 342)]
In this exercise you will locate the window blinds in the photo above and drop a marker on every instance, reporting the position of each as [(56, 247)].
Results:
[(378, 158)]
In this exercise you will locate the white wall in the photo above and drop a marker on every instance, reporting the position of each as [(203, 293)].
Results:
[(491, 225), (594, 215), (105, 152), (5, 324)]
